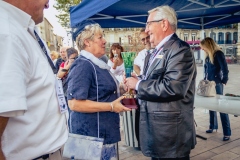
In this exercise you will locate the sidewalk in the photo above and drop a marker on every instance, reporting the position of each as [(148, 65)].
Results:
[(213, 148)]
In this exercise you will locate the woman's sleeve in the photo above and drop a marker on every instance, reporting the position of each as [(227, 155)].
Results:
[(79, 80), (117, 71), (205, 70), (223, 65)]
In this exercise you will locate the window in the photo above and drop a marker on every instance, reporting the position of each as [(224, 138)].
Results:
[(185, 36), (193, 36)]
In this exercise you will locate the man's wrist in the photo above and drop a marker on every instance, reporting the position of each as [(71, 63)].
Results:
[(136, 87)]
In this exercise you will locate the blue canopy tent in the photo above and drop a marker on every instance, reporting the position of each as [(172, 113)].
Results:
[(192, 14)]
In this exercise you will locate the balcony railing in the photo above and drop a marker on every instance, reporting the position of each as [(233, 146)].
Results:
[(227, 42)]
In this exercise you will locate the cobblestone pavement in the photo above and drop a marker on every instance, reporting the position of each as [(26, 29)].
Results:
[(213, 148)]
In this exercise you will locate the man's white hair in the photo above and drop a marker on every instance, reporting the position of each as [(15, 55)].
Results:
[(166, 12)]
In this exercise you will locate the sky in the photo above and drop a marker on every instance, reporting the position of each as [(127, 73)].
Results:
[(50, 15)]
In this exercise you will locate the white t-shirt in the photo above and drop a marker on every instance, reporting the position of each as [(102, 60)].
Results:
[(118, 72), (139, 60), (27, 91)]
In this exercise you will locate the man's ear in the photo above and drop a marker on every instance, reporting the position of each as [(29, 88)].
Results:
[(165, 25)]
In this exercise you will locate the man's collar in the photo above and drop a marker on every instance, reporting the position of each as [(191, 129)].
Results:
[(164, 41)]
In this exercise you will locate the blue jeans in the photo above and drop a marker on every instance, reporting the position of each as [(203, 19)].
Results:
[(224, 117)]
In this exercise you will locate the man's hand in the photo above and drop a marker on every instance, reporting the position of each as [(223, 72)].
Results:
[(131, 81), (136, 69)]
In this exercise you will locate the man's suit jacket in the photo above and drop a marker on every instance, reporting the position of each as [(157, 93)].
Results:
[(167, 96)]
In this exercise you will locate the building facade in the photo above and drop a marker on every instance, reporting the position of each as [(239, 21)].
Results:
[(53, 41), (225, 36)]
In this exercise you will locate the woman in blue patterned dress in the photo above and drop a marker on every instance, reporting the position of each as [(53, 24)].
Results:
[(92, 89)]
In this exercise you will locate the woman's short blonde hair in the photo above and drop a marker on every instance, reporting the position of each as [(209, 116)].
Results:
[(54, 54), (88, 33)]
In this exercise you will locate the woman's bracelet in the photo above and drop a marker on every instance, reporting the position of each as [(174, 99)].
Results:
[(112, 107)]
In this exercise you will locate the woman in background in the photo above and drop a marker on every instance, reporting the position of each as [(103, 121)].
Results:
[(116, 62), (216, 70)]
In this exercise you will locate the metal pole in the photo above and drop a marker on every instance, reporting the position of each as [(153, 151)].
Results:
[(72, 37)]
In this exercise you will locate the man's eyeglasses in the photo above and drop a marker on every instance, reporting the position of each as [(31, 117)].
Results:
[(149, 22), (146, 38)]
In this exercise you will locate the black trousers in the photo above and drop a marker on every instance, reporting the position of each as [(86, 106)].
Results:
[(137, 117), (183, 158)]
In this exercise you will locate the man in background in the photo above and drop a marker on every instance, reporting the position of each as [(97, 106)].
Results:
[(63, 56), (31, 125), (139, 60)]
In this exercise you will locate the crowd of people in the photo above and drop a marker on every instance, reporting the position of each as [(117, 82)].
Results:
[(31, 124)]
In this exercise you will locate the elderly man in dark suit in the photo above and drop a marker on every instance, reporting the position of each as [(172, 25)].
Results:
[(167, 91)]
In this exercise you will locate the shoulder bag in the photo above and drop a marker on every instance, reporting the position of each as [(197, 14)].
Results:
[(206, 88)]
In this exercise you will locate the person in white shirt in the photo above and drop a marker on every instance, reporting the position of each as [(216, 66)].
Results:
[(140, 58), (54, 56), (116, 62), (31, 125)]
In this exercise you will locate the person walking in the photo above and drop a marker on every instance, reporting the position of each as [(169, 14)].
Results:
[(216, 69), (31, 125), (166, 91)]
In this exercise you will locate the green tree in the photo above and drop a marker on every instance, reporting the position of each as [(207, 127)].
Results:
[(63, 7)]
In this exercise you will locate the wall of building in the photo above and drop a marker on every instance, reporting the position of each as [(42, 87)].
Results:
[(226, 37), (53, 41), (127, 37)]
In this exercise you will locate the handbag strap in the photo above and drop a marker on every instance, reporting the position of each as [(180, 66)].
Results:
[(97, 88)]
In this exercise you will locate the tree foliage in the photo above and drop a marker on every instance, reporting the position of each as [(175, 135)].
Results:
[(63, 7)]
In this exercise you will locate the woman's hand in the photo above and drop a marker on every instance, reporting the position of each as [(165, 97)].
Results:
[(118, 107), (68, 63), (115, 62)]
